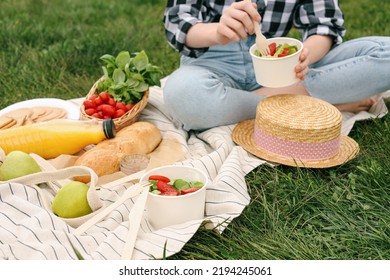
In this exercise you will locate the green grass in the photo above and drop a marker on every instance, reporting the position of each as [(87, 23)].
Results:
[(52, 49)]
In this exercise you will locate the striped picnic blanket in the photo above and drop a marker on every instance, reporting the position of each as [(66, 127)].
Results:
[(29, 231)]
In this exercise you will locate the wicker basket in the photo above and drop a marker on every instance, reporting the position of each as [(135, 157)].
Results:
[(127, 119)]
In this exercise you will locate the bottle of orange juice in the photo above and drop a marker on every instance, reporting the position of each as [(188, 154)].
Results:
[(52, 138)]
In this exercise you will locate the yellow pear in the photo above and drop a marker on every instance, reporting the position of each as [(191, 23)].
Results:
[(71, 201)]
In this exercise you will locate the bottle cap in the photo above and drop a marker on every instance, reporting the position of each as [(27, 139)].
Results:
[(109, 128)]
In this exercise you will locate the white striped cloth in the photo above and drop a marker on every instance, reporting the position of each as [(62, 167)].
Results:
[(29, 231)]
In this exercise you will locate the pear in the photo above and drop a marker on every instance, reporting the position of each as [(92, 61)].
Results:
[(17, 164), (71, 200), (2, 156)]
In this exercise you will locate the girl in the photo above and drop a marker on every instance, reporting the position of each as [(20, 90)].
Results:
[(215, 83)]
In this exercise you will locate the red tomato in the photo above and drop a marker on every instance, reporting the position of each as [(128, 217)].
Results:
[(159, 178), (89, 104), (189, 190), (93, 97), (105, 96), (98, 101), (166, 188), (108, 110), (111, 102), (129, 106), (98, 115), (284, 53), (99, 108), (119, 113), (121, 105), (90, 111), (272, 48)]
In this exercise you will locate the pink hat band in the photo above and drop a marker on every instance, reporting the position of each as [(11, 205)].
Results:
[(296, 150)]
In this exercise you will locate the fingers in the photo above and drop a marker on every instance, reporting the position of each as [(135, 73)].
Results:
[(237, 21), (303, 67), (234, 25)]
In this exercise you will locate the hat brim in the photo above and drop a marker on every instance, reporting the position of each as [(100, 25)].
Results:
[(243, 135)]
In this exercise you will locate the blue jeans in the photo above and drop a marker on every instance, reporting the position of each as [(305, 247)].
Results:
[(216, 88)]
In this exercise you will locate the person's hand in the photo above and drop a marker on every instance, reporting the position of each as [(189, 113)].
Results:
[(303, 67), (236, 22)]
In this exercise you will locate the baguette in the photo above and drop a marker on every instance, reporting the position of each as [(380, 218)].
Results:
[(104, 158)]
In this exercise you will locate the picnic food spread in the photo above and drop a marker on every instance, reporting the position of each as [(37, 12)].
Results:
[(280, 50), (125, 83), (107, 131)]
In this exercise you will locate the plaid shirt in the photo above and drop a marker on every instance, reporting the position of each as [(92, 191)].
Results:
[(322, 17)]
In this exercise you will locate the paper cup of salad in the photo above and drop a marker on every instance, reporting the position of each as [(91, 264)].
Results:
[(277, 69), (177, 195)]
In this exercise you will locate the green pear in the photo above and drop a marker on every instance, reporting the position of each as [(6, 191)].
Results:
[(71, 201), (17, 164)]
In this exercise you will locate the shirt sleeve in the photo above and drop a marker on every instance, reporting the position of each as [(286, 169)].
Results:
[(320, 18), (178, 19)]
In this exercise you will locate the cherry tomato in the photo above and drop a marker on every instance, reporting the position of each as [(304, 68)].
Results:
[(129, 106), (121, 105), (93, 97), (272, 48), (98, 101), (108, 110), (166, 188), (119, 113), (90, 111), (99, 108), (89, 104), (105, 96), (98, 115), (159, 178), (189, 190), (111, 102)]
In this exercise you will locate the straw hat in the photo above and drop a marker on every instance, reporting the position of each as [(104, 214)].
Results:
[(296, 130)]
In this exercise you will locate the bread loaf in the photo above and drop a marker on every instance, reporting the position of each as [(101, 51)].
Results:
[(104, 158)]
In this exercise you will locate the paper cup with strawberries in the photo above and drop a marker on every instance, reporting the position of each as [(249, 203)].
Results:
[(123, 92), (277, 69), (177, 195)]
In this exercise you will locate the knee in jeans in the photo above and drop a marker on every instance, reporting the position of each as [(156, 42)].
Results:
[(180, 88)]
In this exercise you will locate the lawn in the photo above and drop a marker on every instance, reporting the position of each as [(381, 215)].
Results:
[(52, 49)]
